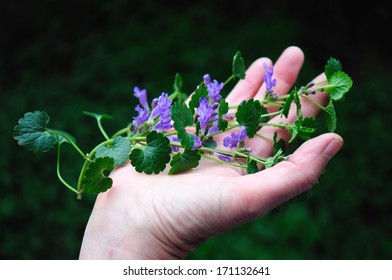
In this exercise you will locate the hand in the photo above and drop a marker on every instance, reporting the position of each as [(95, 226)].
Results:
[(167, 216)]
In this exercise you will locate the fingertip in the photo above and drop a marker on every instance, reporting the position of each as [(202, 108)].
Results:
[(259, 63), (292, 56), (295, 52), (332, 148)]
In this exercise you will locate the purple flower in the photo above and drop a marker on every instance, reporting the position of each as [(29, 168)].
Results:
[(142, 96), (141, 118), (197, 143), (242, 133), (214, 88), (207, 79), (269, 82), (223, 157), (174, 138), (214, 128), (164, 123), (233, 140), (162, 105), (205, 112)]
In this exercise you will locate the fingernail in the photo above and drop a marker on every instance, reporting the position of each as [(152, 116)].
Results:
[(332, 148)]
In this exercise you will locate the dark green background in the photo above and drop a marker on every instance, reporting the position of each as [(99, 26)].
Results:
[(64, 57)]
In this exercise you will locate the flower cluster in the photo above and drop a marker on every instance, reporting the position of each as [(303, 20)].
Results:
[(158, 117)]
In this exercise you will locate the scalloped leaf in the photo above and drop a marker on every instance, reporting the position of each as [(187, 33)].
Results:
[(333, 65), (184, 161), (33, 134), (238, 66), (153, 157), (331, 118), (94, 180), (339, 84), (118, 151), (182, 117), (248, 114)]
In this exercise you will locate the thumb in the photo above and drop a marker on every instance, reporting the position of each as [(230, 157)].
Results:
[(258, 193)]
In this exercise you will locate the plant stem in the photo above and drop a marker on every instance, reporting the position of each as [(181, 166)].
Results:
[(58, 171), (228, 80), (264, 137), (313, 102), (70, 141), (120, 132), (102, 129), (224, 162)]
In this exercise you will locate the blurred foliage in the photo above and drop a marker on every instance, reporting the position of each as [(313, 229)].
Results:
[(70, 56)]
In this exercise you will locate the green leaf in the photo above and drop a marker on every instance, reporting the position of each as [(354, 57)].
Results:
[(331, 116), (339, 84), (287, 104), (238, 66), (187, 139), (153, 157), (184, 161), (251, 167), (177, 86), (118, 151), (223, 109), (333, 65), (200, 92), (182, 117), (278, 144), (302, 128), (248, 115), (97, 116), (32, 133), (94, 180), (293, 97)]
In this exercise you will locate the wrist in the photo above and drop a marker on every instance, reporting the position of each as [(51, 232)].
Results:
[(116, 240)]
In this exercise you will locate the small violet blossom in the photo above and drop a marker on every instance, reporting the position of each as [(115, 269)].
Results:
[(164, 123), (197, 143), (214, 128), (214, 88), (162, 105), (233, 140), (174, 138), (142, 96), (269, 82), (204, 112), (223, 157), (141, 118)]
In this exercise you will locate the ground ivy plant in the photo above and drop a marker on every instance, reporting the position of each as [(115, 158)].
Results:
[(174, 134)]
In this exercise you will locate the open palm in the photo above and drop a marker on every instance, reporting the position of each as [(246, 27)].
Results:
[(166, 216)]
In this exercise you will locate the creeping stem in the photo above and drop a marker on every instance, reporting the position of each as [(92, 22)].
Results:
[(69, 140), (102, 129), (58, 170)]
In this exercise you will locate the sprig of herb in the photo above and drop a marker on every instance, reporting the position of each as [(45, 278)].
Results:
[(170, 132)]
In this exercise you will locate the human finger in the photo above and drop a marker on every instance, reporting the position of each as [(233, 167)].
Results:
[(255, 194), (247, 88), (286, 70), (264, 148)]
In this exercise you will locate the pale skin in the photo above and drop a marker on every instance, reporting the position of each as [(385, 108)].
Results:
[(167, 216)]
